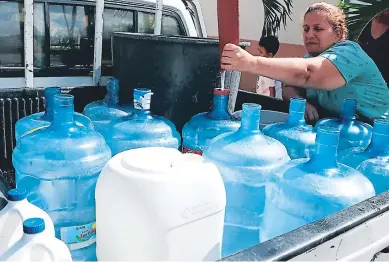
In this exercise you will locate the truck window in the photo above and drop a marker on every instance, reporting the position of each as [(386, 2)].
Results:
[(71, 35), (170, 24), (11, 34), (115, 20)]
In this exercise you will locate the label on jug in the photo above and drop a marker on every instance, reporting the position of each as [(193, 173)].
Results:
[(188, 150), (77, 237)]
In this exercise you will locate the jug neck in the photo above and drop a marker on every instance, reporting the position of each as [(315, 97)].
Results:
[(380, 138), (142, 100), (349, 108), (220, 104), (63, 111), (327, 141), (297, 111), (251, 116), (112, 97), (50, 92)]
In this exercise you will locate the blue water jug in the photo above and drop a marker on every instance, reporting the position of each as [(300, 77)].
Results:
[(39, 120), (246, 160), (295, 134), (141, 129), (60, 165), (353, 133), (311, 189), (103, 112), (203, 127), (373, 162)]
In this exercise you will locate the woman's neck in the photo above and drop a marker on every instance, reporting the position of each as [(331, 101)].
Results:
[(378, 28)]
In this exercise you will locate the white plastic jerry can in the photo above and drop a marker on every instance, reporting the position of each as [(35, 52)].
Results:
[(159, 204), (14, 213), (36, 245)]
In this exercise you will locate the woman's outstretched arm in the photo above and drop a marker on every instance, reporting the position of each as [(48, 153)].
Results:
[(315, 73)]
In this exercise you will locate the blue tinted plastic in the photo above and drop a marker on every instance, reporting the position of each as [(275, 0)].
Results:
[(373, 162), (203, 127), (103, 112), (246, 160), (294, 134), (311, 189), (59, 166), (352, 133), (39, 120), (141, 129)]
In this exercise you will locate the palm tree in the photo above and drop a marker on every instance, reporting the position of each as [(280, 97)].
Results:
[(277, 13), (358, 15)]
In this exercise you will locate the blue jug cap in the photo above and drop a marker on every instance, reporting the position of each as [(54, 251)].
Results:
[(33, 226), (16, 194), (381, 127), (142, 98), (297, 104), (328, 136), (51, 91)]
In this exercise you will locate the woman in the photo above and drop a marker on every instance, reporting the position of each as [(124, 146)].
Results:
[(374, 40), (333, 69)]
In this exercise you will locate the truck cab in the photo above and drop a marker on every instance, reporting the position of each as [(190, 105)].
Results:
[(62, 42)]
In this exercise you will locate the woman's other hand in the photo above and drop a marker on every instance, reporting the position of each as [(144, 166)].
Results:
[(235, 58), (311, 113)]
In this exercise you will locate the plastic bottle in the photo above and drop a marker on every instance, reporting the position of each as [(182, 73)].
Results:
[(310, 189), (294, 134), (246, 160), (203, 127), (373, 162), (40, 120), (37, 245), (12, 216), (59, 166), (103, 112), (141, 129), (353, 133)]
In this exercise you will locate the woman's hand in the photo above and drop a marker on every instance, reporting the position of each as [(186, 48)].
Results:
[(235, 58), (311, 113)]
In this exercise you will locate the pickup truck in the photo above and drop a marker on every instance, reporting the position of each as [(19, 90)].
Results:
[(182, 72)]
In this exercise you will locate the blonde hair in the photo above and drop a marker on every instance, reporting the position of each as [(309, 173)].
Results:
[(335, 16)]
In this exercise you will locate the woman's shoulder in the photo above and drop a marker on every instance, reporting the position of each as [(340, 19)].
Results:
[(346, 45)]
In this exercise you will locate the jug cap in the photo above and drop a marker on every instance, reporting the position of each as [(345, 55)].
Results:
[(297, 104), (17, 194), (33, 226), (142, 98), (328, 136), (222, 92)]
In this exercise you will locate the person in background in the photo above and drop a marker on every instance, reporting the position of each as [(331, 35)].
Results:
[(333, 69), (374, 39), (267, 47)]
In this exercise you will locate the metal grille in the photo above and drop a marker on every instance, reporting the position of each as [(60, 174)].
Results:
[(14, 104)]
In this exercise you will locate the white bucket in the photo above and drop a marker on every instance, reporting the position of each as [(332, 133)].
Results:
[(159, 204)]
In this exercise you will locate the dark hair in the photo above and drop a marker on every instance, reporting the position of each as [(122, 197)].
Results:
[(270, 43), (335, 16)]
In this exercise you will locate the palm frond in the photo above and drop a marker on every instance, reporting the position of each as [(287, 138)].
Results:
[(358, 15), (277, 13)]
